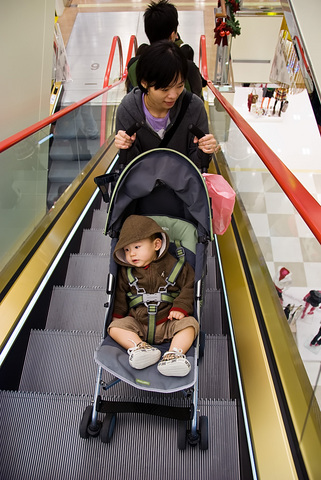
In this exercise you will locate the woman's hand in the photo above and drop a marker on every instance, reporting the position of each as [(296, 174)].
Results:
[(124, 141), (207, 144)]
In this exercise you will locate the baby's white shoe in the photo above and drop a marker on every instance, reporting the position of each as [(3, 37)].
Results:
[(143, 355), (174, 364)]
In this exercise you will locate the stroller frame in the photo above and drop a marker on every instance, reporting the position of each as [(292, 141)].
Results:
[(192, 427), (91, 426)]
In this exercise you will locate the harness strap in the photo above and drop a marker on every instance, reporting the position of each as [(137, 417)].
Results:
[(180, 254), (130, 276), (152, 312), (153, 300), (135, 300)]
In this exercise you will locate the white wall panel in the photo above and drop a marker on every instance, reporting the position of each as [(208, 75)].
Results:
[(26, 39), (252, 52)]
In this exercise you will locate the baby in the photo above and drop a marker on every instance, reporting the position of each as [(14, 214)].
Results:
[(142, 251)]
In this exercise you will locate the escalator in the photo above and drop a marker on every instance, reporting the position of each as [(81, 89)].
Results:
[(57, 383), (48, 375)]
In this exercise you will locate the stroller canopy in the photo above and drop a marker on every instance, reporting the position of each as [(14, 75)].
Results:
[(165, 181)]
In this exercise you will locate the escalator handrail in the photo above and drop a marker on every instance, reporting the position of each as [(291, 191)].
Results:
[(19, 136), (122, 75), (133, 45), (123, 69), (116, 42), (203, 58), (306, 205)]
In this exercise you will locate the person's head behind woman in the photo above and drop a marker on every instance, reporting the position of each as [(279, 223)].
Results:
[(160, 20), (161, 65), (188, 51)]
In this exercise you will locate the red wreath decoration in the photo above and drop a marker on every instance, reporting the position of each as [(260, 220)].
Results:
[(229, 27), (221, 32), (234, 4)]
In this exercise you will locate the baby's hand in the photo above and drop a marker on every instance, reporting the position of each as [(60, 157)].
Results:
[(124, 141), (175, 315)]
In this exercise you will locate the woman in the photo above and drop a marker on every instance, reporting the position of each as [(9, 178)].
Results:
[(158, 101)]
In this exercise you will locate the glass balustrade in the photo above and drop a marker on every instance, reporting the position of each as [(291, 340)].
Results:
[(36, 171)]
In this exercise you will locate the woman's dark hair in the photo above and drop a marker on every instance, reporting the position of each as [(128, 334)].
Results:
[(161, 65), (160, 20)]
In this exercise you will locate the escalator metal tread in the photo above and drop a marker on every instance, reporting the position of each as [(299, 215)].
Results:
[(40, 439)]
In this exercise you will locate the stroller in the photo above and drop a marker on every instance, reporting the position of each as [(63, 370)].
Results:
[(166, 186)]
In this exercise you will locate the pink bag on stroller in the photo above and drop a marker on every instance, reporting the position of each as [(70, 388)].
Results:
[(223, 199)]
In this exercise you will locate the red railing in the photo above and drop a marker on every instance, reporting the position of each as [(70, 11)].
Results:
[(17, 137), (115, 42), (203, 58), (122, 75), (303, 201), (132, 48)]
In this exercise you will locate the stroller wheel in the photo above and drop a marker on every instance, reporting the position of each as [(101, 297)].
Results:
[(108, 427), (83, 427), (181, 434), (203, 432), (86, 428)]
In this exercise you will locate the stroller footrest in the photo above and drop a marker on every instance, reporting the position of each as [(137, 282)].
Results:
[(179, 413)]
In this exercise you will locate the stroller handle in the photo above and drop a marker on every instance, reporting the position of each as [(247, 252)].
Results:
[(133, 128), (123, 153), (196, 131), (204, 157)]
